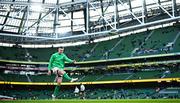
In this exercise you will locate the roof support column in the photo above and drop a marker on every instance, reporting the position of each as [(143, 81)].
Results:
[(72, 16), (115, 14), (87, 17), (174, 8), (130, 7), (144, 11), (56, 17)]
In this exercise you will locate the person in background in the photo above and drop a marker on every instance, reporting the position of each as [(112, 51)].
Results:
[(82, 91), (76, 91)]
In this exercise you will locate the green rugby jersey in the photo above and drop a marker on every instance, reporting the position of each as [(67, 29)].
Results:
[(58, 60)]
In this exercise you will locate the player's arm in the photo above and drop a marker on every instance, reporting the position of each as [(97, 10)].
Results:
[(50, 64), (68, 60)]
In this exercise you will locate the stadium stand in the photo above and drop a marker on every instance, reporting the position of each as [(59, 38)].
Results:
[(105, 93), (163, 40), (99, 75)]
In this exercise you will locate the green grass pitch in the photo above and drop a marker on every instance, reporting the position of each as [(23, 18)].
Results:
[(97, 101)]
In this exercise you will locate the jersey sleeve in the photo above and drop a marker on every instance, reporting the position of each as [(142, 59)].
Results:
[(50, 62), (67, 59)]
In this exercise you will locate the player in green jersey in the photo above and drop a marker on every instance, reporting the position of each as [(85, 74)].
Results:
[(56, 66)]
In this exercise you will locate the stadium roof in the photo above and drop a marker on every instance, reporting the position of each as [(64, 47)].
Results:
[(54, 20)]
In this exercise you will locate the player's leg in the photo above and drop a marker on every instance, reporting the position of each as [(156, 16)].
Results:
[(57, 88), (65, 75), (83, 95), (56, 91), (58, 79)]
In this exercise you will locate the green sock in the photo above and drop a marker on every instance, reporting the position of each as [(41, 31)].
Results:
[(56, 90), (67, 76)]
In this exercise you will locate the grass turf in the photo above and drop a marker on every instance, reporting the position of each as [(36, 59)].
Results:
[(97, 101)]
